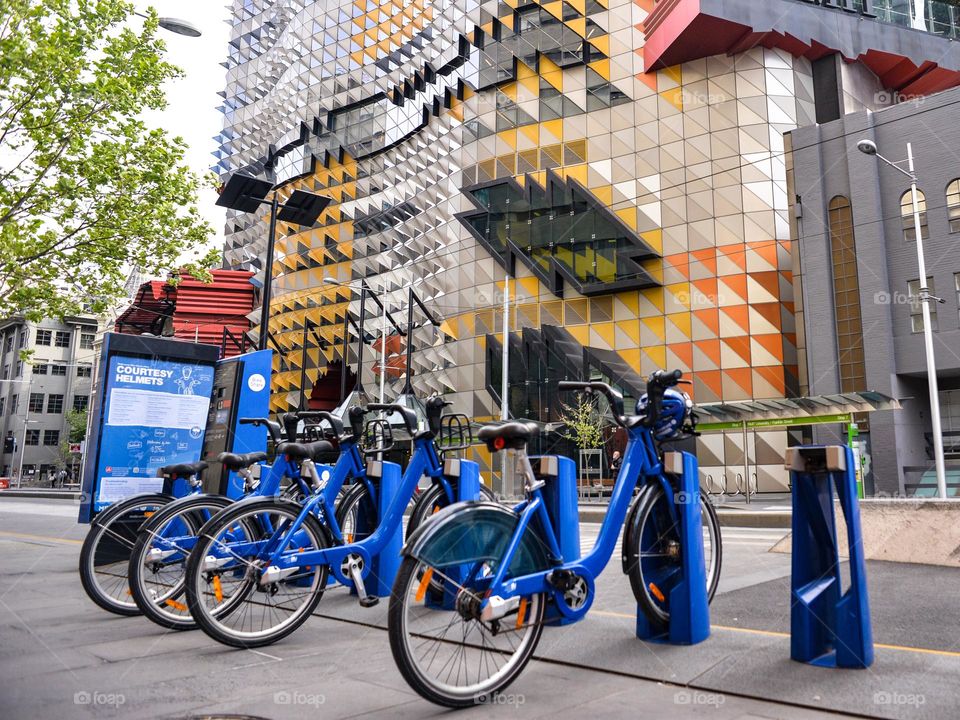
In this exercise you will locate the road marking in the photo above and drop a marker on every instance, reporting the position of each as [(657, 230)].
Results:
[(44, 538), (778, 634)]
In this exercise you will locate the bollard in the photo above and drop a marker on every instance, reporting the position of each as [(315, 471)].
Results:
[(467, 474), (827, 628), (689, 610), (386, 477)]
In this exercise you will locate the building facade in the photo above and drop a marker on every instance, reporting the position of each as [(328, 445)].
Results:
[(857, 277), (36, 394), (622, 161)]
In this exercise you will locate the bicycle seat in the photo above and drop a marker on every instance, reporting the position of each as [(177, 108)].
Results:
[(509, 436), (304, 451), (182, 470), (236, 461)]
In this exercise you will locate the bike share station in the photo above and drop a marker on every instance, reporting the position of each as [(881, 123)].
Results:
[(160, 402)]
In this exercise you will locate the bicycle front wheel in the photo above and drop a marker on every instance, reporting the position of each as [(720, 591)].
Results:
[(226, 593), (444, 650), (105, 554), (159, 559), (653, 552)]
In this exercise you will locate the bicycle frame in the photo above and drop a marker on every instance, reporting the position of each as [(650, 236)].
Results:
[(641, 465), (424, 461)]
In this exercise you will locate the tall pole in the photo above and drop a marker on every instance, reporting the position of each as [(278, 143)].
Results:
[(925, 300), (23, 449), (504, 379), (407, 387), (268, 274), (346, 353), (363, 318), (303, 366), (383, 345)]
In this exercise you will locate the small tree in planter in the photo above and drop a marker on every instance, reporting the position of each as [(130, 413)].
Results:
[(584, 423)]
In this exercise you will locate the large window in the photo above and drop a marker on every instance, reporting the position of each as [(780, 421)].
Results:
[(33, 437), (953, 205), (55, 404), (8, 344), (36, 403), (86, 340), (40, 369), (846, 296), (63, 338), (906, 215), (58, 369), (80, 402), (51, 437), (916, 307), (84, 370), (44, 337)]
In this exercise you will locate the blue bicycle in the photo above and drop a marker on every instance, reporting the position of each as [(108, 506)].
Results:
[(158, 559), (267, 586), (479, 581)]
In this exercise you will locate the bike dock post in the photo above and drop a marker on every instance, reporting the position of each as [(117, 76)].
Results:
[(828, 627), (689, 610), (561, 496), (386, 476)]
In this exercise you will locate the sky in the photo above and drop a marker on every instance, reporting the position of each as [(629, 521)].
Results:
[(192, 112)]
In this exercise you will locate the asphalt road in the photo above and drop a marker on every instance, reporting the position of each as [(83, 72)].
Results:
[(63, 657)]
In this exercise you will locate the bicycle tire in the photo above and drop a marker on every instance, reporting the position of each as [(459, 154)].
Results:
[(429, 501), (100, 529)]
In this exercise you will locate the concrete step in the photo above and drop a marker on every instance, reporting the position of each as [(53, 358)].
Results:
[(43, 493)]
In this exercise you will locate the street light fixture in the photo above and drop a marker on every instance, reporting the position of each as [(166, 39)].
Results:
[(246, 194), (868, 147), (177, 26)]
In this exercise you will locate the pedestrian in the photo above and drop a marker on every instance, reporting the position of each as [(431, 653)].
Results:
[(60, 477), (615, 463)]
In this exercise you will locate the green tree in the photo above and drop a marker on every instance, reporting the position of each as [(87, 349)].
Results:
[(77, 425), (87, 190), (584, 421)]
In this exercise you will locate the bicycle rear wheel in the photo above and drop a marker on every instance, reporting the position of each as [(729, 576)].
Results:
[(226, 594), (446, 653), (105, 555), (159, 559), (433, 499), (652, 552)]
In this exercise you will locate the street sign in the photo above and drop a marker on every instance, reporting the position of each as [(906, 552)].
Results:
[(775, 422), (77, 448)]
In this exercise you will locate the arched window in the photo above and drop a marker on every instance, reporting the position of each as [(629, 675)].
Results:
[(953, 205), (906, 215), (846, 296)]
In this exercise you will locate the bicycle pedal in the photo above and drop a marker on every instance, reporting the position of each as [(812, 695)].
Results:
[(369, 601), (562, 580)]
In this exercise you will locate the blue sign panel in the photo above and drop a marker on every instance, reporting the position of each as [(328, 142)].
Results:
[(154, 414)]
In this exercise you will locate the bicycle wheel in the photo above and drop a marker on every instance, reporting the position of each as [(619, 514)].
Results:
[(356, 514), (157, 583), (450, 656), (652, 552), (228, 599), (433, 499), (105, 554)]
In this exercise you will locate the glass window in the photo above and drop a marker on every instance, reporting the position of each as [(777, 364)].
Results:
[(36, 403), (55, 404), (22, 339), (953, 205), (86, 341), (63, 338), (44, 337), (84, 370), (58, 370), (846, 295), (33, 437), (14, 404), (40, 369), (8, 344), (19, 370), (80, 402), (916, 307), (3, 402), (6, 371), (51, 437), (906, 215)]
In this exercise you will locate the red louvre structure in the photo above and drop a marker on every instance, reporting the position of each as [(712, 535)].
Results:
[(213, 313)]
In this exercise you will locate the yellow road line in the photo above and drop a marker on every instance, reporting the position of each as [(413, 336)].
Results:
[(45, 538), (778, 634)]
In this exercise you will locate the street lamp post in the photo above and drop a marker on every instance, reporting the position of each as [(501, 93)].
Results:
[(177, 26), (868, 147)]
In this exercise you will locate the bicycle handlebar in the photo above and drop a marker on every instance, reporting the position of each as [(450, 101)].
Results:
[(334, 422), (272, 427), (403, 410), (656, 384)]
